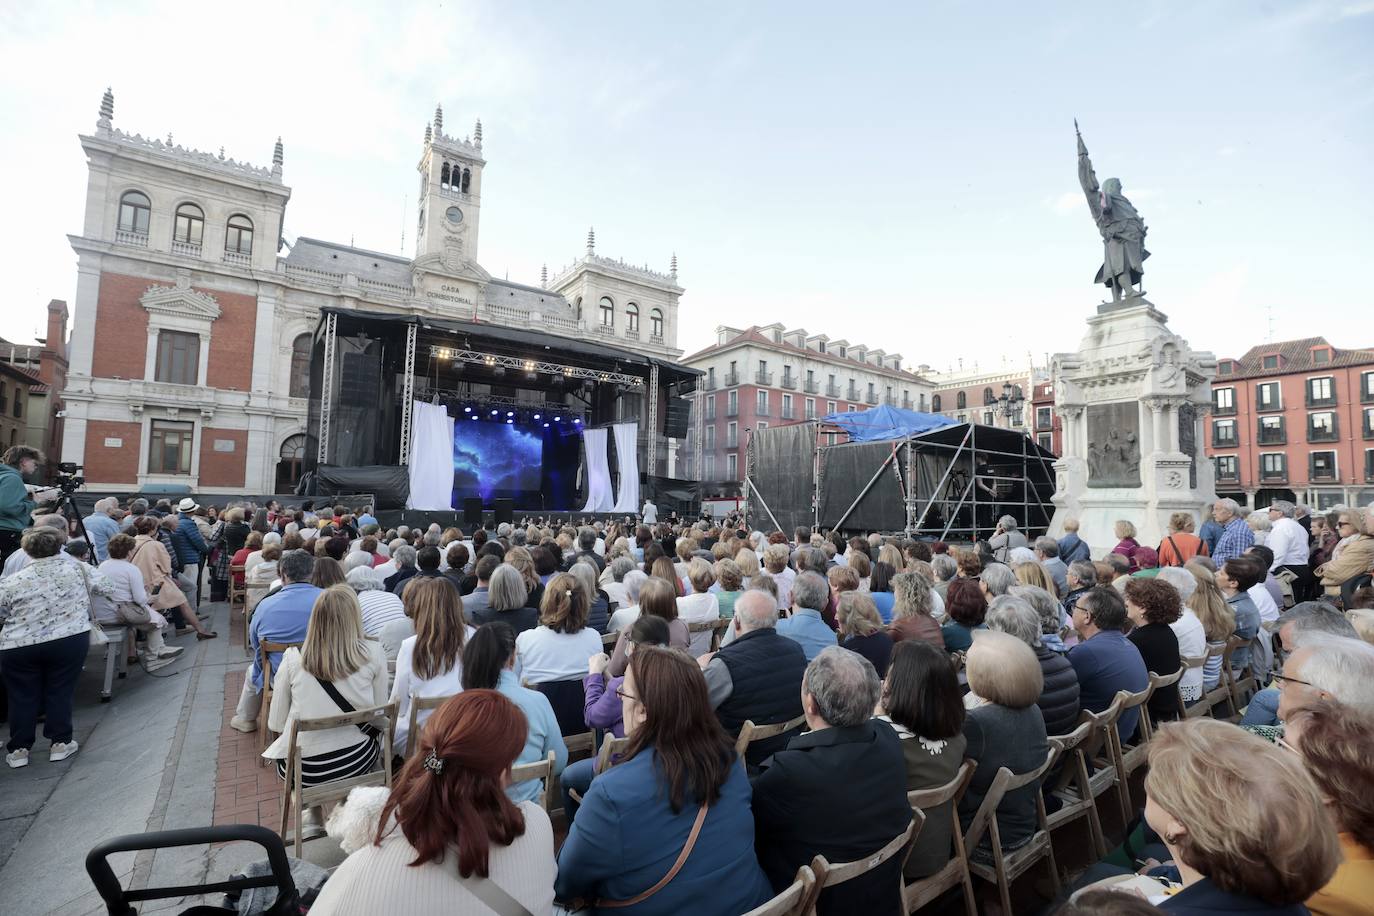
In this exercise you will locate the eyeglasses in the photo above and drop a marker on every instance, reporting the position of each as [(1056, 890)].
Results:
[(625, 696), (1285, 679), (1345, 525), (1079, 607)]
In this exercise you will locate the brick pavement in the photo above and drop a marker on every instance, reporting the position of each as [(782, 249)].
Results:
[(246, 792)]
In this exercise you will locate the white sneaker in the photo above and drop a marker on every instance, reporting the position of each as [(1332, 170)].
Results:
[(60, 751), (170, 651), (152, 663), (19, 758), (243, 725)]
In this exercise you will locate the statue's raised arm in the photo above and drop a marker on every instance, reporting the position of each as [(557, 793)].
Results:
[(1122, 229), (1087, 178)]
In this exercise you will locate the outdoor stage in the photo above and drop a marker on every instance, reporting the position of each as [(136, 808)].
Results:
[(531, 418)]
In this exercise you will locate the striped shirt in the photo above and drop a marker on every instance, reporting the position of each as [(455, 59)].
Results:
[(379, 609)]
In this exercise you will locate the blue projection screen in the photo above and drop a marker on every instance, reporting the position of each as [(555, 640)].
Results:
[(532, 464)]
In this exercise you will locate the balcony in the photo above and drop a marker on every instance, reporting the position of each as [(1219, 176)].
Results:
[(732, 441), (763, 411), (1323, 434), (708, 383), (1323, 472), (731, 379), (1226, 439), (811, 387), (1227, 475), (190, 249), (732, 410), (852, 394), (810, 413), (237, 257), (907, 404), (710, 414), (1272, 436), (763, 378), (1329, 401), (789, 381), (871, 397), (132, 239), (632, 333), (1274, 475), (832, 391), (788, 413)]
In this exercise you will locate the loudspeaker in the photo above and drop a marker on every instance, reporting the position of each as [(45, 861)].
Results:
[(677, 418), (472, 511), (505, 510)]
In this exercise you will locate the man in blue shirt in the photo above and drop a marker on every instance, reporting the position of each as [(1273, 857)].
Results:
[(810, 593), (1071, 546), (281, 617), (1236, 536), (366, 518), (101, 526), (1106, 661), (191, 547)]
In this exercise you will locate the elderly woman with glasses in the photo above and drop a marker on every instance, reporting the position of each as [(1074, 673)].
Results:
[(1353, 558)]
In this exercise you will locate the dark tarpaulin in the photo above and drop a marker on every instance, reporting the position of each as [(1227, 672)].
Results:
[(389, 483), (782, 469), (846, 470)]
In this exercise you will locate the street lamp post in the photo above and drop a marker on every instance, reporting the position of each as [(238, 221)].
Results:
[(1012, 401)]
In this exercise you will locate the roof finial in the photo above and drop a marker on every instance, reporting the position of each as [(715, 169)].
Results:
[(672, 266), (544, 276), (106, 109), (429, 134), (439, 120), (277, 157), (477, 134), (591, 240)]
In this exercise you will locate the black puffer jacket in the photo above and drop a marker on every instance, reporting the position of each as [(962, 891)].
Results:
[(1059, 699)]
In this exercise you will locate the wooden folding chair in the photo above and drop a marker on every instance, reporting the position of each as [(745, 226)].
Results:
[(955, 872), (899, 847), (384, 717), (1243, 684), (1008, 866), (611, 745), (1130, 757), (580, 746), (413, 725), (1220, 696), (1098, 750), (543, 770), (715, 626), (608, 640), (749, 733), (266, 650), (1080, 803), (1157, 682), (797, 899), (1199, 707)]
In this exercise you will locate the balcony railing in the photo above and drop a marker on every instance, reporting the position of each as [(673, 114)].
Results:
[(732, 410), (1323, 473), (1230, 475), (889, 400), (708, 383), (1227, 411), (1320, 402), (134, 239), (763, 378), (789, 381), (832, 391), (1318, 434), (810, 413), (811, 387), (1273, 474), (871, 397), (710, 414), (187, 248), (907, 404), (1219, 441), (731, 379), (237, 257), (1271, 436), (656, 339), (763, 411), (852, 394), (732, 441), (789, 413)]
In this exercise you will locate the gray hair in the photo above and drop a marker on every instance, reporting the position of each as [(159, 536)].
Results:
[(810, 591), (1341, 667), (503, 530), (1021, 555), (432, 538), (998, 578), (365, 579), (354, 559), (756, 611), (1180, 579), (1047, 545), (1230, 505), (1007, 522), (586, 538), (844, 686), (403, 555), (271, 537), (1044, 604), (138, 506), (1085, 572), (945, 567), (296, 566), (107, 505), (1013, 614), (1317, 617), (634, 581), (518, 538), (811, 559), (621, 567), (506, 589), (1283, 507), (585, 574)]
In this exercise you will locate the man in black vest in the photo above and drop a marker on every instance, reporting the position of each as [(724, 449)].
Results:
[(757, 676)]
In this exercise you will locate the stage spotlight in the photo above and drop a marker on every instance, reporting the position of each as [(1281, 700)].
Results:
[(495, 412), (467, 410), (578, 421), (510, 413), (536, 416), (473, 417), (546, 426), (558, 419), (510, 421)]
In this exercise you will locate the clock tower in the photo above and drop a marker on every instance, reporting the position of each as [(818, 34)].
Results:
[(450, 198)]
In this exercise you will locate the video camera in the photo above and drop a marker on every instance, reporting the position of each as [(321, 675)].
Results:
[(68, 477)]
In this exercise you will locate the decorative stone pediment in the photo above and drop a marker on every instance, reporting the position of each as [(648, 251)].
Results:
[(180, 301)]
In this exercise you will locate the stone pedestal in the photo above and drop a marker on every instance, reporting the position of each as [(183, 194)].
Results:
[(1132, 401)]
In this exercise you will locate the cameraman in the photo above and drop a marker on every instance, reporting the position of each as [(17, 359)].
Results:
[(16, 502)]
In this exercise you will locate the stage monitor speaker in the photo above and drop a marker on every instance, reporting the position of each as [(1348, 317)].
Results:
[(472, 511), (677, 418), (505, 510)]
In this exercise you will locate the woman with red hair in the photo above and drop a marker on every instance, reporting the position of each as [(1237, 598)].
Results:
[(449, 839)]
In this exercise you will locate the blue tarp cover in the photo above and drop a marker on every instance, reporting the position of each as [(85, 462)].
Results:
[(886, 422)]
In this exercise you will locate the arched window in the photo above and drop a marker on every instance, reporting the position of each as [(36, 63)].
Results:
[(134, 211), (238, 238), (656, 322), (300, 366), (579, 308), (632, 317), (293, 452), (935, 403), (961, 400), (467, 179), (443, 176), (607, 312), (189, 228), (987, 397)]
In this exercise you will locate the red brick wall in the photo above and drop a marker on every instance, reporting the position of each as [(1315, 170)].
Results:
[(112, 465), (223, 469), (121, 328), (122, 333)]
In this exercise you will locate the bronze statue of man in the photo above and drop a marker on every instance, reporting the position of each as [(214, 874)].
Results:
[(1123, 231)]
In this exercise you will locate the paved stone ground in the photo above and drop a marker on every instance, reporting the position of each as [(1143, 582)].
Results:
[(159, 756)]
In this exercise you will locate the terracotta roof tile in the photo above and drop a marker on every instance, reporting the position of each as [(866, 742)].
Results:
[(1294, 356)]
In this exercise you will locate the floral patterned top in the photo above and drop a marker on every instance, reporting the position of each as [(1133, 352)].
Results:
[(48, 599)]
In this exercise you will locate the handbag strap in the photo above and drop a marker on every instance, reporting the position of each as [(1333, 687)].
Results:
[(342, 702), (1178, 556), (672, 872), (494, 896)]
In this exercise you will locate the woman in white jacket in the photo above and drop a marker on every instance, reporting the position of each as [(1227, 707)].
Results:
[(430, 662)]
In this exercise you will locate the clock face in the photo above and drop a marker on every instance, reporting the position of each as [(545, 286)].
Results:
[(454, 215)]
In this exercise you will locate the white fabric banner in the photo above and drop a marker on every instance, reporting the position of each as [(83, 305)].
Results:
[(431, 458), (626, 453), (599, 498)]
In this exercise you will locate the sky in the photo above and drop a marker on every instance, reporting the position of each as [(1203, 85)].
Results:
[(900, 175)]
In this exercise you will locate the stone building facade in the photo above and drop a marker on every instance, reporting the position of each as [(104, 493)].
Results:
[(191, 340)]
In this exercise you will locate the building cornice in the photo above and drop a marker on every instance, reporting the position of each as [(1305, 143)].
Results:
[(136, 146)]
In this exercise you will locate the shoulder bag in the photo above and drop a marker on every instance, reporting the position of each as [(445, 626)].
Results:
[(672, 872), (98, 637), (341, 701), (1178, 555)]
